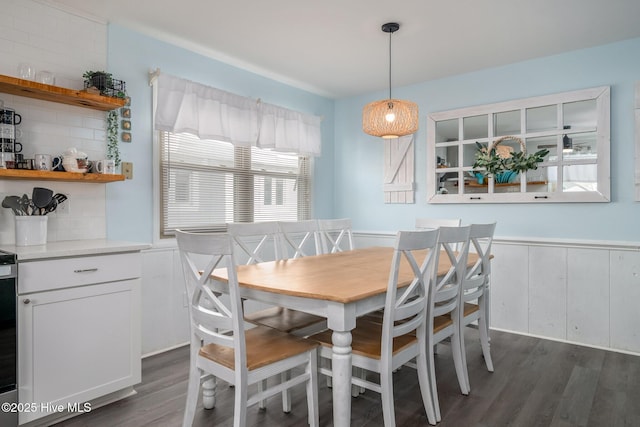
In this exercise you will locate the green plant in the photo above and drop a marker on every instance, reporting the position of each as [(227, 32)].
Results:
[(113, 149), (489, 162), (99, 79)]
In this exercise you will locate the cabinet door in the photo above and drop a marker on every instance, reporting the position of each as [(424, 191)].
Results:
[(77, 344)]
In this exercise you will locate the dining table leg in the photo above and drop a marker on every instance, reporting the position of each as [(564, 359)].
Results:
[(341, 369)]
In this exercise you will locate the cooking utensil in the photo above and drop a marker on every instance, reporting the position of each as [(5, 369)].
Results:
[(60, 197), (25, 205), (53, 204), (41, 197), (13, 202)]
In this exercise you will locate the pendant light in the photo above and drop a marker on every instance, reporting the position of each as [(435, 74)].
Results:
[(390, 118)]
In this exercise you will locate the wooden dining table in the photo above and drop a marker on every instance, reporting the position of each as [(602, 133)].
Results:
[(340, 287)]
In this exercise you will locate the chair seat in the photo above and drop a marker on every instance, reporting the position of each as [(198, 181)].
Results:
[(283, 319), (441, 322), (470, 308), (366, 339), (264, 346)]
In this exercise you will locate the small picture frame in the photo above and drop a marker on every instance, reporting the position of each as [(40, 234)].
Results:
[(125, 113), (127, 101), (126, 136), (126, 124)]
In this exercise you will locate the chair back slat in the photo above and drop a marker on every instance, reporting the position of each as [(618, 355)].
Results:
[(405, 308), (473, 286), (411, 325), (336, 235), (411, 308), (299, 238), (481, 240), (255, 241), (477, 277), (211, 318), (446, 292)]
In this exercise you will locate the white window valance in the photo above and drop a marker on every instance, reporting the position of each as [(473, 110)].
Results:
[(184, 106), (287, 130)]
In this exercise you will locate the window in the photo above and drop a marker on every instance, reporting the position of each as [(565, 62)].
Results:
[(572, 126), (206, 183)]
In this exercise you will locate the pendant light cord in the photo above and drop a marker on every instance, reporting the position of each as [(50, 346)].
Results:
[(390, 34)]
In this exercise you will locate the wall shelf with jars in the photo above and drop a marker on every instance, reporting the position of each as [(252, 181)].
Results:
[(59, 176), (46, 92), (574, 127), (79, 98)]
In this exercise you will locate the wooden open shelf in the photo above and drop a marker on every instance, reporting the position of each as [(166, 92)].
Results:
[(58, 176), (79, 98)]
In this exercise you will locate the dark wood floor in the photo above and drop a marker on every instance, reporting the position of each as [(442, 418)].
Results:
[(535, 383)]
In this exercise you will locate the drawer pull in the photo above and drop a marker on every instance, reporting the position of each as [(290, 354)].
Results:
[(26, 301), (86, 270)]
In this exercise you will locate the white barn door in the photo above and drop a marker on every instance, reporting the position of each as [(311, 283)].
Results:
[(399, 170)]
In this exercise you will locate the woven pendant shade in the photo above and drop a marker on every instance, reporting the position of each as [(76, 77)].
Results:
[(375, 122), (390, 118)]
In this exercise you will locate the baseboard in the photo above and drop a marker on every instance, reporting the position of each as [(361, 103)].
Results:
[(163, 350), (597, 347)]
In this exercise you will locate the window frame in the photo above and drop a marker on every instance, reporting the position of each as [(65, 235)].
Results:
[(601, 95), (159, 238)]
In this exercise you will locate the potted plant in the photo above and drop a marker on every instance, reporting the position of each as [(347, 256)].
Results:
[(503, 164), (101, 80), (113, 150)]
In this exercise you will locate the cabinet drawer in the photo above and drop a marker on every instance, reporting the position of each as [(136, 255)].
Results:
[(36, 276)]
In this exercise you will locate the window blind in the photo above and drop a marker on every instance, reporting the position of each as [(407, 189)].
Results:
[(207, 183)]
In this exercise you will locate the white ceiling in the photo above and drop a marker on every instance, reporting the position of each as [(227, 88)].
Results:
[(336, 47)]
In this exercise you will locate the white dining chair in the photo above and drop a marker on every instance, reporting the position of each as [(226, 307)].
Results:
[(260, 242), (384, 347), (255, 241), (475, 287), (221, 347), (443, 310), (299, 238), (335, 235)]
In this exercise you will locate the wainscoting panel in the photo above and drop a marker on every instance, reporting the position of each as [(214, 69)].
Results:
[(581, 292), (165, 319), (510, 300), (588, 290), (625, 299), (548, 291)]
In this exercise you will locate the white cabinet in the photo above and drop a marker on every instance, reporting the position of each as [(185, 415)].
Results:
[(81, 340)]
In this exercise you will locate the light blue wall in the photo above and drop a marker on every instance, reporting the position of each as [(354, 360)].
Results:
[(358, 157), (130, 57), (348, 176)]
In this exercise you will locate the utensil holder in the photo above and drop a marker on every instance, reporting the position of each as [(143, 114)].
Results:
[(31, 230)]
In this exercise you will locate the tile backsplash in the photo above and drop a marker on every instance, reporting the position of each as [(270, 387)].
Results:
[(66, 45)]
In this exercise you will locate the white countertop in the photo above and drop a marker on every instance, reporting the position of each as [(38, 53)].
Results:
[(70, 248)]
